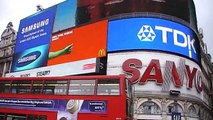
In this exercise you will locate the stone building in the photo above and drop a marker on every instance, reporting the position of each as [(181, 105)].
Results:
[(7, 44)]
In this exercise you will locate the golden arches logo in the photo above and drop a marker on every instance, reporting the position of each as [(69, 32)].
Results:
[(102, 52)]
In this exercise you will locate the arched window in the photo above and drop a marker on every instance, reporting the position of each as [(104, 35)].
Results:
[(192, 111), (150, 108), (174, 107)]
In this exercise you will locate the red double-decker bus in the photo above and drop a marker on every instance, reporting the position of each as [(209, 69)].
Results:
[(66, 98)]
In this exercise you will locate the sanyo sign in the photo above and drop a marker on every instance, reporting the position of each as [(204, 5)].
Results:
[(153, 34), (159, 73)]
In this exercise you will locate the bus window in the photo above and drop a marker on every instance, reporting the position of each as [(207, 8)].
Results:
[(36, 117), (108, 87), (16, 117), (5, 87), (21, 87), (1, 116), (129, 101), (42, 117), (129, 108), (37, 87), (82, 87), (58, 87), (128, 89)]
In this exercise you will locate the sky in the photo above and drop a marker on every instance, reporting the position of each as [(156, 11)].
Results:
[(15, 10)]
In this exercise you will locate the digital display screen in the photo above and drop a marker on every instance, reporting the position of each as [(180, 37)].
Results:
[(152, 34), (35, 30), (79, 43)]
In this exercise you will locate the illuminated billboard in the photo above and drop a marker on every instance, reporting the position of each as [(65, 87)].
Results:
[(30, 58), (66, 46), (65, 15), (70, 68), (158, 73), (92, 10), (152, 34), (77, 44), (32, 44), (35, 30)]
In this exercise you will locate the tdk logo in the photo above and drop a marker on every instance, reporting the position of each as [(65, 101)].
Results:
[(179, 38), (146, 33)]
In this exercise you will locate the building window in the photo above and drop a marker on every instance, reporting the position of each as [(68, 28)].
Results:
[(4, 54), (12, 50), (8, 67), (150, 108), (1, 67), (174, 107), (192, 111)]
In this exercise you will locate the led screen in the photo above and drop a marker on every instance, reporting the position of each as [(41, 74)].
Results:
[(35, 30), (77, 44), (65, 15), (152, 34)]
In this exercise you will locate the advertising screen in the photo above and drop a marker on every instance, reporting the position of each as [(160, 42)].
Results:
[(152, 34), (65, 15), (77, 44), (49, 38), (65, 69), (35, 30), (68, 109), (30, 58), (71, 45), (159, 73)]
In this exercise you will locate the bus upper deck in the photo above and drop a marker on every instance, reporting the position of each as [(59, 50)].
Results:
[(68, 98)]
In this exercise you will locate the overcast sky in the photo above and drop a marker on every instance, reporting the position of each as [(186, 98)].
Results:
[(15, 10)]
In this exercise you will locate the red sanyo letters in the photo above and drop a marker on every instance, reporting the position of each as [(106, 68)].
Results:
[(153, 72)]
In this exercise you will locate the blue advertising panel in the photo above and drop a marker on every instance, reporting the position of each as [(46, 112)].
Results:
[(35, 30), (64, 108), (152, 34), (30, 58), (83, 106)]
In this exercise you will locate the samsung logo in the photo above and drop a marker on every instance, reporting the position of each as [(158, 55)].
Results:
[(35, 26), (27, 59)]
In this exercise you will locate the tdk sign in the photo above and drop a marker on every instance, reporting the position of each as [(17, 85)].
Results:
[(146, 33), (152, 34)]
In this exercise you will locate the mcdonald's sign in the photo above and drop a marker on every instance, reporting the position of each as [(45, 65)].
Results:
[(101, 52)]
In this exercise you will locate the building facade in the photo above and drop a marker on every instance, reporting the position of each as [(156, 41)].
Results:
[(7, 45)]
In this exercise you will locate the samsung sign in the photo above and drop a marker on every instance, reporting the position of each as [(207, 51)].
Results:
[(152, 34), (35, 30)]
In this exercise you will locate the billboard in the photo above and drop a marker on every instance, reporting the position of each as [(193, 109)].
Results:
[(35, 30), (158, 73), (30, 58), (79, 43), (66, 109), (152, 34), (65, 15), (32, 44), (71, 68), (66, 46)]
